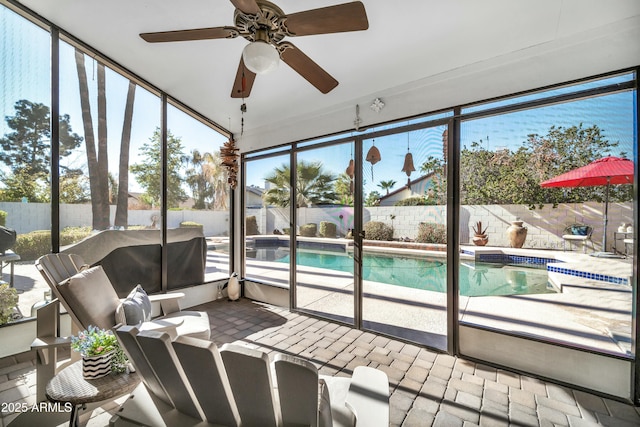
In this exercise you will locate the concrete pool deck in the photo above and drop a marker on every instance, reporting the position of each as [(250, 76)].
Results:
[(591, 313)]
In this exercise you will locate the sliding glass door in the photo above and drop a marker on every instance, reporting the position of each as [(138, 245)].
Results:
[(324, 248), (404, 268)]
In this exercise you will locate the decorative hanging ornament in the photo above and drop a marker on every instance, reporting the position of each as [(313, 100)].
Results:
[(408, 164), (229, 155), (350, 169), (373, 156)]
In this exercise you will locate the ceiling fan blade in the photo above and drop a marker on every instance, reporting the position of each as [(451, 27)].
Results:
[(194, 34), (247, 6), (325, 20), (305, 66), (243, 82)]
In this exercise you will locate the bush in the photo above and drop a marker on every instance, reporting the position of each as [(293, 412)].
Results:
[(328, 229), (3, 218), (191, 224), (415, 201), (376, 230), (251, 225), (31, 246), (309, 230), (8, 300), (286, 230), (430, 232)]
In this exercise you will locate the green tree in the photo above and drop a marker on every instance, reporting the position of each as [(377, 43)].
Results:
[(74, 187), (27, 150), (436, 194), (313, 185), (387, 185), (149, 172), (344, 189), (514, 177), (24, 183), (197, 179), (373, 199), (217, 176)]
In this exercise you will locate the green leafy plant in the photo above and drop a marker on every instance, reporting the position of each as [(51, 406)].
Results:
[(34, 244), (3, 218), (191, 224), (328, 229), (97, 342), (8, 300), (376, 230), (431, 232), (309, 230), (251, 226)]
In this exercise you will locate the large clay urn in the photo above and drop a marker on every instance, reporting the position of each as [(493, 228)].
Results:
[(517, 234)]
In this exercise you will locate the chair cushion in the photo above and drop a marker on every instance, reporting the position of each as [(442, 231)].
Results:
[(579, 230), (135, 309), (91, 297), (195, 324)]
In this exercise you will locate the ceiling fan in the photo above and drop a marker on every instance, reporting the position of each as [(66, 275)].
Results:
[(265, 25)]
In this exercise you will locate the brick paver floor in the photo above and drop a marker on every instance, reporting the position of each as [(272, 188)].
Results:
[(426, 388)]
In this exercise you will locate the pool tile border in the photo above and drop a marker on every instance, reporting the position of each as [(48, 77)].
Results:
[(503, 258)]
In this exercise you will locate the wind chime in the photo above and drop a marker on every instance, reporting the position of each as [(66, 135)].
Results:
[(229, 154), (373, 156), (408, 164), (351, 172), (229, 151)]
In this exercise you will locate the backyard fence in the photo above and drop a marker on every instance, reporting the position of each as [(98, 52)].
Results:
[(545, 225)]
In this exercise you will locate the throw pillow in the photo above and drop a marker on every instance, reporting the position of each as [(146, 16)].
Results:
[(136, 308), (91, 297)]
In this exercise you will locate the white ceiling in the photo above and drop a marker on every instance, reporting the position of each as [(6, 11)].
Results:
[(417, 55)]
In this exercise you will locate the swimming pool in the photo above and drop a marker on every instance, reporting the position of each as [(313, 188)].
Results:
[(476, 279)]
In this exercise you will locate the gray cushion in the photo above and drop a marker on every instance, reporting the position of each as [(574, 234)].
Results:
[(91, 297), (136, 307)]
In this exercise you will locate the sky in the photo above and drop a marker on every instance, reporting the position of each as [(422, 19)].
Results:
[(613, 114), (24, 74)]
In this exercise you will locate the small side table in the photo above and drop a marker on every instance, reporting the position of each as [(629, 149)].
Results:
[(620, 236), (8, 258), (69, 386)]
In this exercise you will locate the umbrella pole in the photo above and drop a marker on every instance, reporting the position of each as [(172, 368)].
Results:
[(606, 215)]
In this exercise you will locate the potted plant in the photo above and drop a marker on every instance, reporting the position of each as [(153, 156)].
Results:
[(480, 237), (101, 353)]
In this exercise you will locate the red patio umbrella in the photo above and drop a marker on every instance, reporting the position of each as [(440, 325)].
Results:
[(605, 171)]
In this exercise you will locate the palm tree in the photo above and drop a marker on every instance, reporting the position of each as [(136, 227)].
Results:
[(122, 208), (387, 185), (313, 185), (96, 162), (196, 180)]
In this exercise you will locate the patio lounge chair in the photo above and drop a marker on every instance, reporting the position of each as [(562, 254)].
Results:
[(90, 299), (197, 384), (577, 233)]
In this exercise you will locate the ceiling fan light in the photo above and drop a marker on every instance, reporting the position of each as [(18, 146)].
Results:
[(260, 57)]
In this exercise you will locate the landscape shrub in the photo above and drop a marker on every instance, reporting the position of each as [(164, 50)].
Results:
[(328, 229), (251, 226), (31, 246), (431, 232), (191, 224), (3, 218), (8, 300), (309, 230), (415, 201), (376, 230)]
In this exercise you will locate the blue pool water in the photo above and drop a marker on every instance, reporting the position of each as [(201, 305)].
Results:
[(476, 279)]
